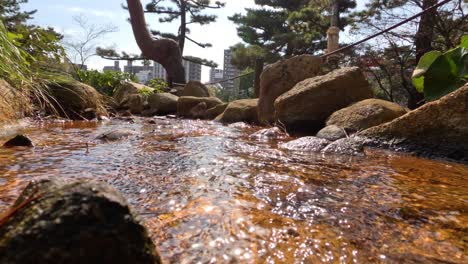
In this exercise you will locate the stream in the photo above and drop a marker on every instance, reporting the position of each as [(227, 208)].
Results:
[(210, 193)]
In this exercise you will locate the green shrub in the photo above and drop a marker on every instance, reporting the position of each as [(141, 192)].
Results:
[(105, 82), (438, 74), (158, 85)]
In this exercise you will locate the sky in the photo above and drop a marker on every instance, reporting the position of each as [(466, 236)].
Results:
[(59, 15)]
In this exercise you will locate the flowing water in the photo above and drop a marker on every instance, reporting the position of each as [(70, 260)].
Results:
[(213, 194)]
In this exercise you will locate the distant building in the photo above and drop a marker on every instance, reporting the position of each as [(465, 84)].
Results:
[(145, 76), (192, 71), (216, 75), (159, 71), (229, 72), (148, 72), (116, 67)]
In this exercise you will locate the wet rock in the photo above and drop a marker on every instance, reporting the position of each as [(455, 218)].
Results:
[(438, 128), (195, 89), (117, 134), (163, 103), (198, 111), (19, 141), (186, 103), (213, 112), (281, 77), (76, 100), (332, 133), (77, 222), (268, 134), (365, 114), (346, 146), (245, 110), (309, 144), (307, 106), (125, 90)]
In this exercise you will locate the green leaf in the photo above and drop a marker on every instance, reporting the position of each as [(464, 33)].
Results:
[(464, 42), (424, 63), (443, 77)]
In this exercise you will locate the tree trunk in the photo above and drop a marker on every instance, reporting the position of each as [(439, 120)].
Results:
[(183, 25), (423, 43), (164, 51)]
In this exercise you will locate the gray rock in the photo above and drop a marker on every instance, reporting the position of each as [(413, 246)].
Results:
[(346, 146), (309, 144), (77, 222), (331, 133)]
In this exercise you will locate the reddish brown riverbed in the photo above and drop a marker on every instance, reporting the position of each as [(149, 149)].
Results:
[(210, 194)]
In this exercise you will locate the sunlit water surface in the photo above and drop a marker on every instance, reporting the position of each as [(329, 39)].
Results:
[(211, 194)]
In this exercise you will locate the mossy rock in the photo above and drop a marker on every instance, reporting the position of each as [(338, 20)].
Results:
[(76, 100), (14, 104)]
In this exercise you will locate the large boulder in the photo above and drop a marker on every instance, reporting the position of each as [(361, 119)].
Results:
[(195, 89), (77, 222), (280, 77), (245, 110), (307, 106), (365, 114), (13, 104), (437, 128), (124, 90), (76, 100), (186, 103), (213, 112), (163, 103)]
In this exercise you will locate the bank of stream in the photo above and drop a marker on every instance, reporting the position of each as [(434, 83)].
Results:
[(210, 193)]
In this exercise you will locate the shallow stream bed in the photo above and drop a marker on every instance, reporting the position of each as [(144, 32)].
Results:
[(209, 193)]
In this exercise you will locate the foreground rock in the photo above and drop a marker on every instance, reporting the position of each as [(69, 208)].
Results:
[(240, 111), (307, 106), (19, 141), (280, 77), (195, 89), (186, 103), (308, 144), (13, 104), (77, 222), (76, 100), (163, 103), (365, 114), (437, 128)]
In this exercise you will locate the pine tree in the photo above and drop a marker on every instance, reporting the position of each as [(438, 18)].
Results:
[(11, 14), (288, 27), (187, 12)]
